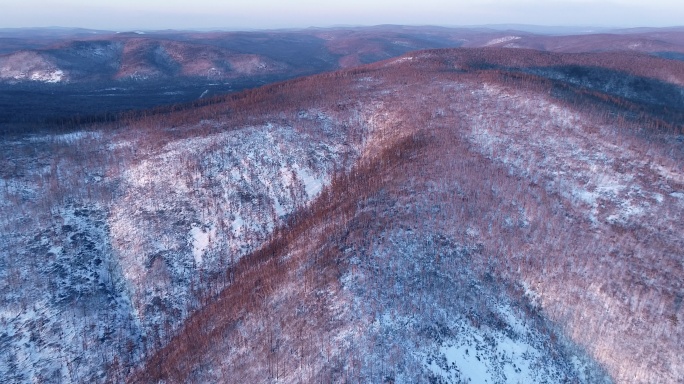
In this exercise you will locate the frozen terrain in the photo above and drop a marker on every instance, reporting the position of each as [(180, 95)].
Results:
[(434, 218)]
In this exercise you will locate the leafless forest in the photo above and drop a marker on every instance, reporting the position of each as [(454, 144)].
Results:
[(512, 210)]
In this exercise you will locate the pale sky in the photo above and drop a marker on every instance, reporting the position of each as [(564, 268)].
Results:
[(259, 14)]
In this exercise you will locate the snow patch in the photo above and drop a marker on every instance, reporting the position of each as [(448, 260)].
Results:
[(500, 40), (312, 185), (279, 209), (200, 241), (238, 224), (678, 195), (401, 60), (55, 76), (481, 355)]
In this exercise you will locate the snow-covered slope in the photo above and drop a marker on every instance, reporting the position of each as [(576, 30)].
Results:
[(418, 220), (27, 65), (133, 241)]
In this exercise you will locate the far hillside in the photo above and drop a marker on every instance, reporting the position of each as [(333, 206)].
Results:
[(55, 79)]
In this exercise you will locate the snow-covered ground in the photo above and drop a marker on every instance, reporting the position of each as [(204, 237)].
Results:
[(501, 40), (67, 317), (110, 267), (30, 66), (579, 164), (446, 324), (230, 193), (111, 240)]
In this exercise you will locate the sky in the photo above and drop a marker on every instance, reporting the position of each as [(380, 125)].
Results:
[(269, 14)]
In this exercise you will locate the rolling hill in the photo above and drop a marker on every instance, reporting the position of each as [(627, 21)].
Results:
[(448, 215), (65, 77)]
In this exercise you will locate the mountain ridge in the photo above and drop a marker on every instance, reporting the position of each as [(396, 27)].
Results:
[(96, 77), (401, 221)]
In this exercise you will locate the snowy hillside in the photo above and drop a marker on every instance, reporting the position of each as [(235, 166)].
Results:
[(133, 240), (29, 66), (434, 218)]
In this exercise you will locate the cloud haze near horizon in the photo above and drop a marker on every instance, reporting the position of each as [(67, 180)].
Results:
[(259, 14)]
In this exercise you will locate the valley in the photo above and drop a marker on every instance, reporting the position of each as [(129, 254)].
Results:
[(62, 78)]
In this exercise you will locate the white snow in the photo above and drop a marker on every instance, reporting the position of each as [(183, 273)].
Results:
[(312, 185), (541, 147), (66, 138), (678, 195), (200, 241), (466, 359), (54, 76), (279, 209), (500, 40), (401, 60), (237, 224), (482, 355)]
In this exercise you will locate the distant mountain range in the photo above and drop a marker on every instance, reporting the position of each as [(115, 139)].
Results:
[(95, 75), (143, 55)]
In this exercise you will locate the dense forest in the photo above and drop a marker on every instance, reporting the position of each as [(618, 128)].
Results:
[(442, 216)]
